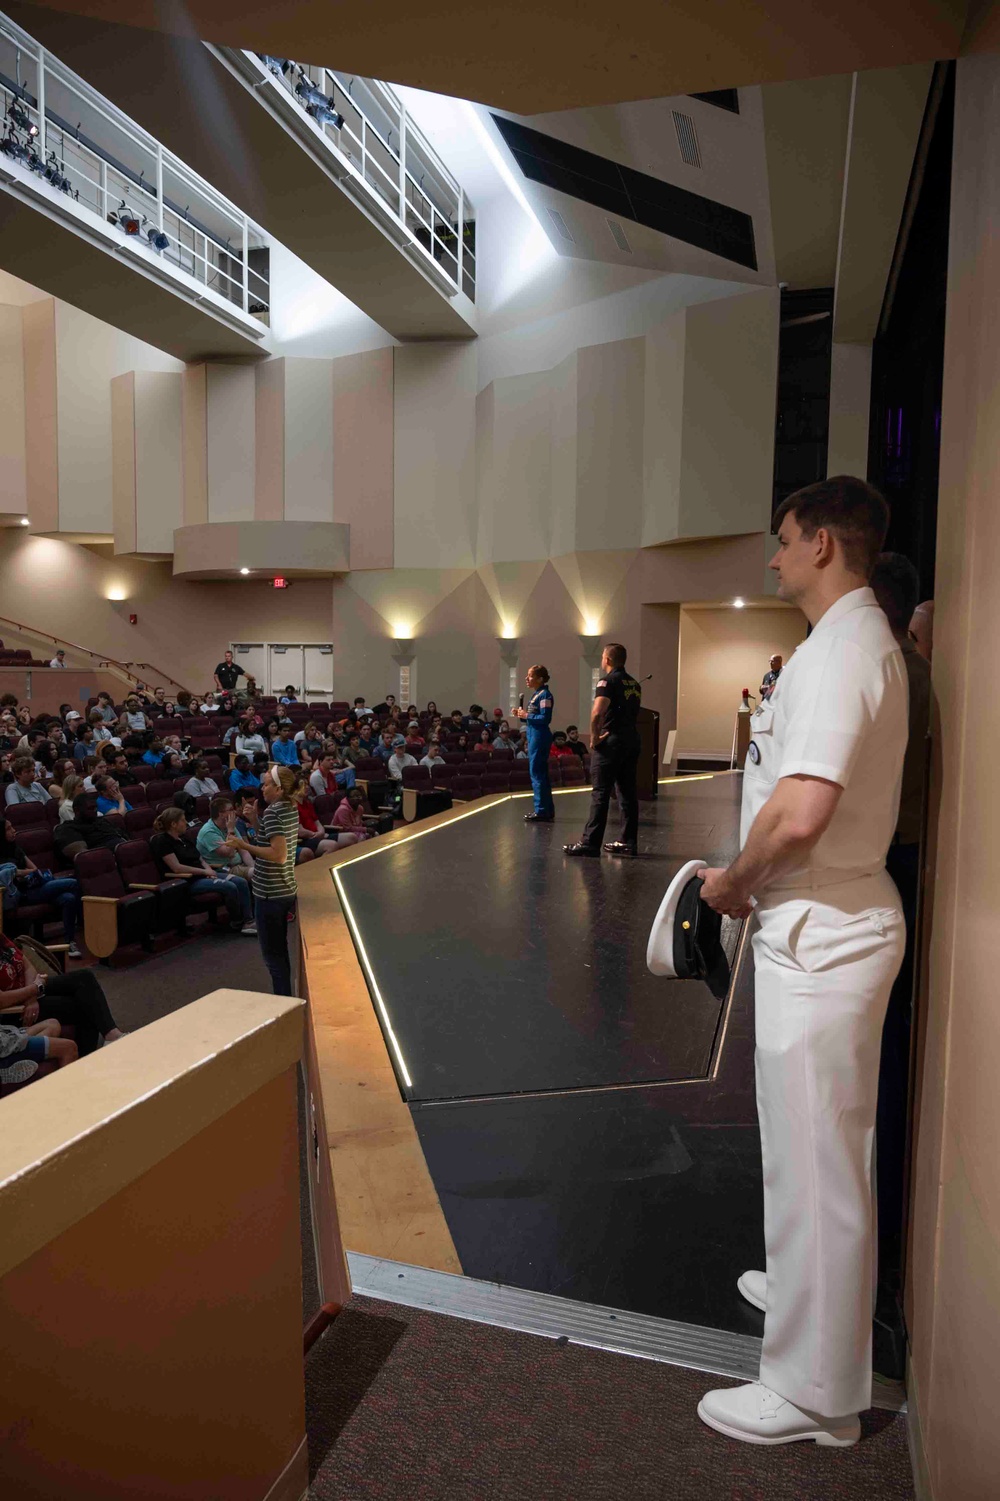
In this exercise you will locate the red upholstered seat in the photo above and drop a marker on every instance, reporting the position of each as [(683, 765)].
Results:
[(136, 866), (416, 776), (520, 781), (22, 815), (98, 874), (139, 823), (444, 774), (157, 791), (573, 774), (464, 786)]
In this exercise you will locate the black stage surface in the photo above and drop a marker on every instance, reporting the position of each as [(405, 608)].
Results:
[(590, 1129)]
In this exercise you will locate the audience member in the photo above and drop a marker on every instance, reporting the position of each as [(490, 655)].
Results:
[(399, 761), (120, 769), (312, 840), (574, 742), (288, 697), (353, 753), (433, 756), (561, 747), (243, 776), (176, 854), (503, 740), (770, 678), (213, 839), (210, 706), (348, 818), (21, 879), (284, 750), (484, 743), (199, 783), (85, 830), (432, 708), (25, 788), (105, 708), (84, 743), (153, 754), (59, 660), (227, 674), (328, 778), (921, 630), (74, 1000), (415, 742), (110, 798), (248, 738), (67, 791)]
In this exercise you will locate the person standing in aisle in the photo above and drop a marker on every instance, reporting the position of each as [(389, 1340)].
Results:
[(273, 880), (614, 756), (771, 676), (821, 790), (538, 718)]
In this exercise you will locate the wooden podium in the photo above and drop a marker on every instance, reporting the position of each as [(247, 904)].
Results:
[(648, 770)]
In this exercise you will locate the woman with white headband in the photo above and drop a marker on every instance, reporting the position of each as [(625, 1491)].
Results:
[(273, 880)]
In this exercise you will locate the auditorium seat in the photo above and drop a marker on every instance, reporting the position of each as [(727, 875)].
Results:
[(136, 794), (520, 781), (444, 774), (139, 872), (326, 806), (416, 776), (144, 773), (23, 815), (573, 774), (496, 781), (132, 912), (158, 791), (139, 823), (465, 787)]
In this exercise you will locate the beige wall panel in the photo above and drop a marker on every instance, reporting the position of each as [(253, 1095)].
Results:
[(41, 415), (13, 473), (182, 627), (722, 652), (89, 355), (563, 379), (805, 135), (850, 396), (172, 1265), (362, 653), (158, 460), (486, 481), (663, 401), (194, 441), (269, 440), (231, 421), (609, 456), (434, 475), (887, 108), (309, 440), (521, 460), (123, 461), (659, 647), (363, 454), (954, 1252), (727, 452)]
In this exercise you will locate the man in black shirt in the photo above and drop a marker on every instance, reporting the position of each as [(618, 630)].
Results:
[(227, 673), (614, 755), (85, 830)]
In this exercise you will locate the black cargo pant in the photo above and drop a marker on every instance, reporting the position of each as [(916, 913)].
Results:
[(613, 767)]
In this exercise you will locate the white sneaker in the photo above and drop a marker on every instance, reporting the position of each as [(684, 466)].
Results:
[(19, 1073), (74, 952), (753, 1286), (250, 928), (757, 1415)]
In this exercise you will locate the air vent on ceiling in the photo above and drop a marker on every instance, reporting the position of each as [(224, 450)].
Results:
[(628, 194), (687, 138), (722, 99), (562, 227), (619, 236)]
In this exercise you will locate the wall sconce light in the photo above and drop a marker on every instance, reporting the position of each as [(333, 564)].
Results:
[(244, 571), (591, 626), (25, 521), (739, 604), (116, 593)]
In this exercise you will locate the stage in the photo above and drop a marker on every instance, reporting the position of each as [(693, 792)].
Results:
[(587, 1128)]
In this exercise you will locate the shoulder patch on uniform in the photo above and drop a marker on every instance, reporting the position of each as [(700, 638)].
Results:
[(603, 683)]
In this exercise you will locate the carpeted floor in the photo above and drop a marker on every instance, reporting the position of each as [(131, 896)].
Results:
[(404, 1404)]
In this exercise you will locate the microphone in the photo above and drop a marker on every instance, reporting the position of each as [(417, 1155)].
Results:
[(520, 700)]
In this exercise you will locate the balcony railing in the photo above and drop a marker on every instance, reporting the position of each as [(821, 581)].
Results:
[(82, 155), (375, 149)]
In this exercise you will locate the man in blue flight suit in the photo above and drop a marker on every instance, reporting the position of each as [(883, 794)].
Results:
[(538, 717)]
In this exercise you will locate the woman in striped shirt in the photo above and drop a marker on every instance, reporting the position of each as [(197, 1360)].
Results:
[(273, 854)]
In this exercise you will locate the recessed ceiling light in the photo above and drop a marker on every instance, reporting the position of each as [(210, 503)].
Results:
[(244, 570)]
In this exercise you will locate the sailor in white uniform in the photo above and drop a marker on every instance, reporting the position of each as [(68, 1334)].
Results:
[(820, 796)]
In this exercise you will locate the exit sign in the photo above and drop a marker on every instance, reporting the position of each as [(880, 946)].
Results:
[(281, 583)]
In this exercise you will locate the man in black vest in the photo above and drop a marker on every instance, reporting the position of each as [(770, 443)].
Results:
[(614, 755)]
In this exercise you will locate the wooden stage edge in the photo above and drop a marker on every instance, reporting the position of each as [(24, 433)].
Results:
[(386, 1201)]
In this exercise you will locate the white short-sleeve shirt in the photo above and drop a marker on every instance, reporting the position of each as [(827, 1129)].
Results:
[(839, 712)]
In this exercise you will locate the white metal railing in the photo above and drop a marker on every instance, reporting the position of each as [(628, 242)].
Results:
[(365, 121), (59, 128)]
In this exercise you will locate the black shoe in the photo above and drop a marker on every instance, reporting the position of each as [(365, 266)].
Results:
[(616, 847), (539, 818), (581, 849)]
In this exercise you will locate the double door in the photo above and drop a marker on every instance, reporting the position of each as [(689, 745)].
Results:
[(307, 666)]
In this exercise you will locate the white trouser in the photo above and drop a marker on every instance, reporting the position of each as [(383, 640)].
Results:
[(825, 960)]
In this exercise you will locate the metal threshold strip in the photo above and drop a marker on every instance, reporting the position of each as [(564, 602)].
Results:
[(716, 1351)]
